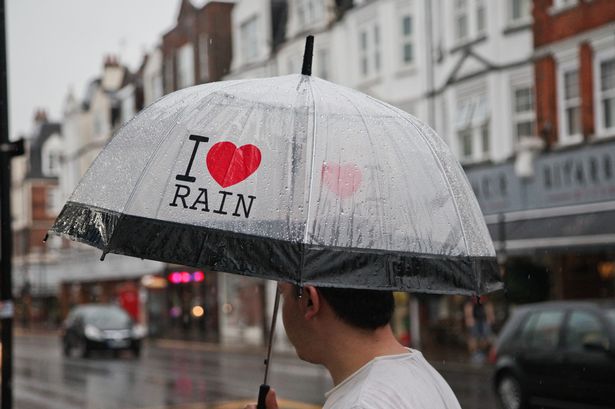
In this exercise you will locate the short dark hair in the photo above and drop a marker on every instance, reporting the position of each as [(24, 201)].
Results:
[(365, 309)]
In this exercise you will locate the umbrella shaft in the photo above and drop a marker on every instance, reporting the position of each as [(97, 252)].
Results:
[(271, 331)]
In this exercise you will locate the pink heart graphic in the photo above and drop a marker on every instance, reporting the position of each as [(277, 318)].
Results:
[(229, 165), (343, 180)]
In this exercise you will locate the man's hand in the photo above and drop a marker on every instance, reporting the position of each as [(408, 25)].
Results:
[(271, 401)]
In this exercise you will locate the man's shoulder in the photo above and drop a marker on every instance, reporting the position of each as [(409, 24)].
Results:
[(396, 382)]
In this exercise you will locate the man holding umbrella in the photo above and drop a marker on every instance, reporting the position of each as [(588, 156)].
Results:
[(348, 332)]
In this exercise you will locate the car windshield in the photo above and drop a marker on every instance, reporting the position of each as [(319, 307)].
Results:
[(106, 317)]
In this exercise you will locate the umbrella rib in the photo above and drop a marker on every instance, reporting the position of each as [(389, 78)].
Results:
[(311, 173), (380, 210), (437, 159), (237, 153)]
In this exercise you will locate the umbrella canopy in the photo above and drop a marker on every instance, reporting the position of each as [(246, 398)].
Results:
[(288, 178)]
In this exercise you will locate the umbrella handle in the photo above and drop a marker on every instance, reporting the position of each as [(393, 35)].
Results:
[(262, 395)]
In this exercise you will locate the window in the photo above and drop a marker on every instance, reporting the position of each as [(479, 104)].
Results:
[(369, 50), (128, 106), (481, 17), (520, 11), (461, 20), (293, 64), (100, 124), (169, 84), (563, 4), (53, 201), (469, 20), (606, 93), (204, 57), (571, 103), (473, 128), (249, 39), (185, 66), (484, 134), (53, 162), (323, 64), (542, 330), (582, 328), (407, 46), (523, 112), (465, 137), (156, 86), (309, 12), (363, 53), (377, 48)]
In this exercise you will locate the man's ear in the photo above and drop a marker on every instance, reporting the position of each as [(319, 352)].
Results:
[(312, 302)]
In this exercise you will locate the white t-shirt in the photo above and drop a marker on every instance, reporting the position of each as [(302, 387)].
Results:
[(405, 381)]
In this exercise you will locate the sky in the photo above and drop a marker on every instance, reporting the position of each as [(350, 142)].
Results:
[(57, 45)]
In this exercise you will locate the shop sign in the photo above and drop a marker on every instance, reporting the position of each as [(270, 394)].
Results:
[(184, 277), (572, 177)]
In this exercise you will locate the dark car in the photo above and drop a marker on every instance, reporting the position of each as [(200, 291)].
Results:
[(557, 354), (92, 327)]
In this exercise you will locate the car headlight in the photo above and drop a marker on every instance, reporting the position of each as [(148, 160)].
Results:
[(138, 331), (93, 333)]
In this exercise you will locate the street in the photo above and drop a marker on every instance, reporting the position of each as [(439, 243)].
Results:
[(173, 374)]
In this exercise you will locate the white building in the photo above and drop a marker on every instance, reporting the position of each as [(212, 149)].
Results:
[(476, 80), (464, 66), (152, 77)]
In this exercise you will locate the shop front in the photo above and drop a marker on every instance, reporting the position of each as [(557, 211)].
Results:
[(182, 303), (554, 230)]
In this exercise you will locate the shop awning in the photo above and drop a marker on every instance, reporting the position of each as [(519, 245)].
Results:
[(582, 226)]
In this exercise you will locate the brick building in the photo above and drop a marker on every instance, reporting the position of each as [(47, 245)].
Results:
[(574, 68), (199, 48), (555, 222), (35, 185)]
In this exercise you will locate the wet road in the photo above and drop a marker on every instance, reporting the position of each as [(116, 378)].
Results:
[(169, 375)]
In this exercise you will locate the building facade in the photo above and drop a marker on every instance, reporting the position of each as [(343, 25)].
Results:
[(522, 91), (35, 185), (198, 49), (74, 271), (549, 210)]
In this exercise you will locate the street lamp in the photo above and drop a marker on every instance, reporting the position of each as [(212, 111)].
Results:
[(8, 150)]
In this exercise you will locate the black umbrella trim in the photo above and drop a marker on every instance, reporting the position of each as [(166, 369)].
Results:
[(275, 259)]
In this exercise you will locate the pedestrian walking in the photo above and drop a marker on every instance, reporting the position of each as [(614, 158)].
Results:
[(479, 319)]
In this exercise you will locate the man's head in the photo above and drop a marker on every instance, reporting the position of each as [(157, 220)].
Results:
[(314, 315), (363, 309)]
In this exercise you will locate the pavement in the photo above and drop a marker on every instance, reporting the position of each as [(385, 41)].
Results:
[(443, 358), (440, 356)]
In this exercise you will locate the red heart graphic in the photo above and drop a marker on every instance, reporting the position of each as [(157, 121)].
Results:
[(229, 165), (343, 180)]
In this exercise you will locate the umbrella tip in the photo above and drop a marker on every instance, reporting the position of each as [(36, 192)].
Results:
[(307, 56), (45, 238), (103, 255)]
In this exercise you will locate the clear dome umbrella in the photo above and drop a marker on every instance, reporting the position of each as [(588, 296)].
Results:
[(289, 178)]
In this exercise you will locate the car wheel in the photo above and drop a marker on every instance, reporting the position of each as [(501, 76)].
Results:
[(82, 349), (66, 348), (510, 393)]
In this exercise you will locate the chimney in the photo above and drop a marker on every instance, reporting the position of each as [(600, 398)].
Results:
[(111, 61), (40, 116)]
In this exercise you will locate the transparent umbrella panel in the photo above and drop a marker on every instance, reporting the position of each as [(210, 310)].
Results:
[(291, 178)]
